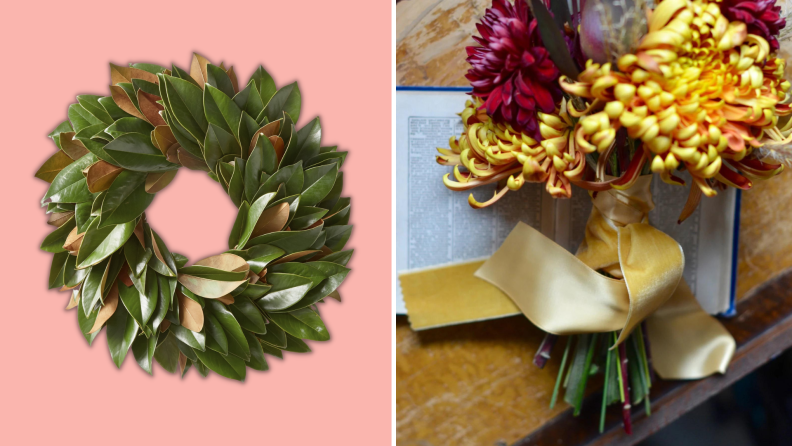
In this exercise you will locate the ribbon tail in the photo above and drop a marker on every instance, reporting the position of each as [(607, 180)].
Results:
[(688, 343)]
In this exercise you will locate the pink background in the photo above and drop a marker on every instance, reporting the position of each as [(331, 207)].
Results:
[(55, 388)]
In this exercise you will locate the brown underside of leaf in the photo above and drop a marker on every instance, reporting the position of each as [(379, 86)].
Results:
[(164, 325), (182, 363), (100, 175), (227, 299), (156, 181), (234, 82), (277, 144), (50, 169), (123, 275), (191, 161), (107, 310), (73, 240), (172, 155), (294, 255), (335, 295), (271, 129), (124, 103), (59, 218), (191, 314), (68, 288), (150, 109), (225, 262), (126, 74), (74, 300), (252, 277), (198, 69), (141, 236), (156, 249), (163, 138), (75, 149), (272, 220)]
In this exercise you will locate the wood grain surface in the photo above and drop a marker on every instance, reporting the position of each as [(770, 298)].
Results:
[(475, 384)]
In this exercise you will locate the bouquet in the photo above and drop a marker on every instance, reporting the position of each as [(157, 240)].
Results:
[(603, 94)]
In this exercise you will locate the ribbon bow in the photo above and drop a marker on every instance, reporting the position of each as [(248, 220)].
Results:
[(564, 294)]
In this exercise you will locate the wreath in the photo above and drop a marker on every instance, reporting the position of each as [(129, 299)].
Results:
[(286, 247)]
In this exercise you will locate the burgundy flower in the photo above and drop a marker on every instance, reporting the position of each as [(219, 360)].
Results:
[(511, 71), (762, 17)]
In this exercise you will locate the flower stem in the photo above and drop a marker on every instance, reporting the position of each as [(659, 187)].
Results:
[(543, 354), (626, 406), (561, 372)]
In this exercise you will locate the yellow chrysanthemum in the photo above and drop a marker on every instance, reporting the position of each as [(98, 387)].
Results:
[(700, 91), (495, 153)]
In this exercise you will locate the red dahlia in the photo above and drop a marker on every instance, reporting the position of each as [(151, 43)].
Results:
[(762, 17), (511, 71)]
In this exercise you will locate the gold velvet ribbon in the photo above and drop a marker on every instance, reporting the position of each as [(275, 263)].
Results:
[(564, 294)]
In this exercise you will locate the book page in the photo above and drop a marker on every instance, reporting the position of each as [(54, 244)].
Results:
[(434, 225)]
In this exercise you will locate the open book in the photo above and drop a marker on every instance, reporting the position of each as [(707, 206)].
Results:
[(436, 226)]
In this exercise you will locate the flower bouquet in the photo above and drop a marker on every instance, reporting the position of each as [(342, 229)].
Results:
[(602, 94)]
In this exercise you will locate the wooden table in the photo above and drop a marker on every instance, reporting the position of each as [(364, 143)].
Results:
[(475, 384)]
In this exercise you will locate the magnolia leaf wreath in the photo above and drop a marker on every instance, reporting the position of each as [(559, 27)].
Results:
[(286, 247)]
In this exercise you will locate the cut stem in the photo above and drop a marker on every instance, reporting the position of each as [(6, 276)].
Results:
[(626, 406), (647, 352), (608, 355), (561, 372), (543, 354), (586, 368)]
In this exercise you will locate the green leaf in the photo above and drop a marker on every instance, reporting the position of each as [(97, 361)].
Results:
[(126, 199), (70, 185), (80, 117), (289, 241), (221, 110), (236, 186), (298, 269), (291, 177), (296, 345), (229, 366), (143, 349), (332, 198), (303, 324), (93, 288), (112, 109), (86, 324), (56, 278), (255, 291), (121, 331), (150, 67), (305, 216), (134, 151), (264, 84), (167, 264), (91, 104), (339, 215), (247, 129), (129, 125), (239, 225), (287, 289), (341, 257), (335, 276), (136, 256), (275, 336), (253, 168), (54, 241), (554, 41), (82, 215), (207, 272), (99, 243), (187, 350), (253, 215), (249, 100), (269, 159), (189, 337), (237, 345), (216, 338), (163, 300), (139, 306), (318, 183), (183, 137), (72, 277), (256, 360), (218, 78), (308, 142), (186, 105), (270, 350), (167, 354), (337, 237), (260, 256), (248, 316), (287, 99)]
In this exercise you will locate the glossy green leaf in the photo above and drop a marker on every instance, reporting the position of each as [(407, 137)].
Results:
[(54, 241), (217, 144), (255, 291), (112, 109), (323, 158), (287, 289), (339, 215), (275, 336), (306, 270), (167, 258), (188, 351), (57, 270), (189, 337), (129, 125), (264, 84), (303, 324), (136, 256), (229, 366), (218, 78), (341, 257), (273, 351), (139, 306), (247, 129), (70, 185), (121, 331), (82, 215), (337, 237), (237, 345), (86, 323), (289, 241), (221, 110), (254, 213), (249, 100), (305, 216), (99, 243), (143, 349), (72, 277), (296, 345), (239, 225), (308, 142), (186, 104), (163, 300), (335, 194), (90, 103), (134, 151), (167, 354), (93, 287), (216, 338), (318, 183), (335, 276), (236, 185), (125, 200), (185, 139), (287, 99), (260, 256), (80, 117), (150, 67), (207, 272), (256, 360), (248, 316), (253, 168)]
